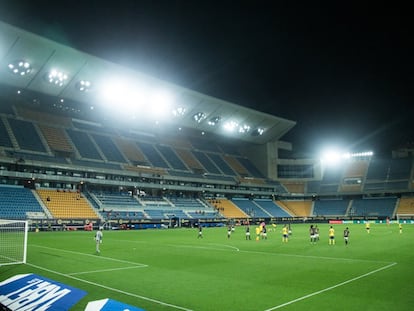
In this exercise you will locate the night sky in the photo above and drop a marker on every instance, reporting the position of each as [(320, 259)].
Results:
[(344, 73)]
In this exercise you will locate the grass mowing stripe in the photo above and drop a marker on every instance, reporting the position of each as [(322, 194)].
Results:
[(111, 288), (331, 287)]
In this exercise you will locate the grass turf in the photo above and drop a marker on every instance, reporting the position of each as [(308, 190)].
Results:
[(174, 270)]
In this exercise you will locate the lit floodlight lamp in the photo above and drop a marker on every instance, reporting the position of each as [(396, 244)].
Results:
[(179, 111), (244, 129), (113, 91), (335, 156), (161, 98), (361, 154), (56, 77), (159, 110), (230, 126), (160, 103), (258, 131), (199, 117), (214, 121), (119, 95), (20, 67), (331, 157), (84, 86)]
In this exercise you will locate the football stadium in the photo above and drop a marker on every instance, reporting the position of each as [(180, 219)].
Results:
[(121, 191)]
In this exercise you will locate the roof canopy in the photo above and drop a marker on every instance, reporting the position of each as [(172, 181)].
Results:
[(34, 63)]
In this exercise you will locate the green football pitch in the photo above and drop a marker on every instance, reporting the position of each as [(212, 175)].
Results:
[(171, 269)]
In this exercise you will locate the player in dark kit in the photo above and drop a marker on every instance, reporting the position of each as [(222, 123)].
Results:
[(248, 233), (312, 234), (346, 236), (200, 232)]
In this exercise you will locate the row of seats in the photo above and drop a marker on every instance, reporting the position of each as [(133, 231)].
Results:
[(16, 202), (46, 134), (92, 143)]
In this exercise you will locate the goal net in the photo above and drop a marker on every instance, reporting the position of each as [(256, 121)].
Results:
[(13, 241), (405, 218)]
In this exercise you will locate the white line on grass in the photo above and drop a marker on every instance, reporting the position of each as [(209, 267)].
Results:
[(228, 246), (331, 287), (316, 257), (94, 256), (111, 288), (207, 247), (232, 248), (105, 270)]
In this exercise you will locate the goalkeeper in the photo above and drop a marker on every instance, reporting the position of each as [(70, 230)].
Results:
[(98, 239)]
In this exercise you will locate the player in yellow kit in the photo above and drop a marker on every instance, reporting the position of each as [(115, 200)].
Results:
[(367, 226), (285, 234), (331, 234), (258, 231)]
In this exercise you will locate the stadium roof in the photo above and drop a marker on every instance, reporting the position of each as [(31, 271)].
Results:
[(34, 63)]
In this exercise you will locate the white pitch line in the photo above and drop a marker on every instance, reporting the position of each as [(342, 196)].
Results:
[(111, 288), (105, 270), (331, 287), (230, 248), (205, 247), (316, 257), (90, 255)]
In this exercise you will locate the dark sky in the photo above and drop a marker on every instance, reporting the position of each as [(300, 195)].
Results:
[(344, 73)]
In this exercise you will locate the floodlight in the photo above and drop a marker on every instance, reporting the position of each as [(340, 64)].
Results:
[(230, 126), (199, 117), (56, 77), (258, 131), (159, 103), (362, 154), (84, 85), (122, 96), (244, 128), (331, 156), (214, 120), (161, 97), (179, 111), (20, 67)]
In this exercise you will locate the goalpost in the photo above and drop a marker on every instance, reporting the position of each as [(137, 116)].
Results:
[(13, 241), (404, 217)]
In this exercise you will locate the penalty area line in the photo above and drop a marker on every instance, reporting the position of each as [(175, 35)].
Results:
[(110, 288), (94, 256), (331, 287), (105, 270)]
